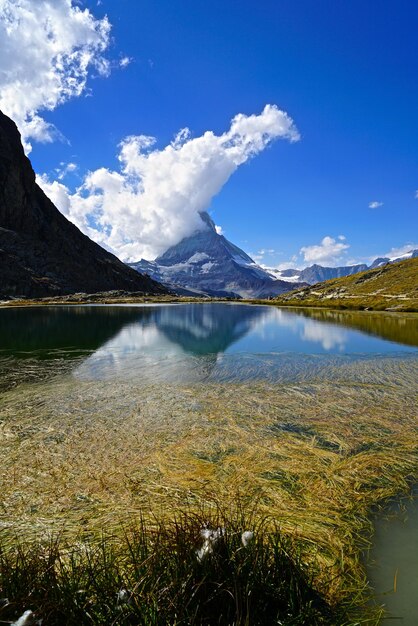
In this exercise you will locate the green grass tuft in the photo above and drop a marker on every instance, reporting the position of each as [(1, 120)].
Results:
[(152, 575)]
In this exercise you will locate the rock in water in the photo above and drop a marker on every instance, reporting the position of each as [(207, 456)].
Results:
[(41, 252)]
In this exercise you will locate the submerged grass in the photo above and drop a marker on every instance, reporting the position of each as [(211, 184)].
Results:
[(310, 460)]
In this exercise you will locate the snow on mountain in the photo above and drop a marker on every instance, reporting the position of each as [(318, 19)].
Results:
[(318, 273), (411, 254), (289, 276), (207, 262)]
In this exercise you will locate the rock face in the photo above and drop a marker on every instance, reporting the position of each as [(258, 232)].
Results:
[(381, 260), (208, 263), (41, 252), (318, 273)]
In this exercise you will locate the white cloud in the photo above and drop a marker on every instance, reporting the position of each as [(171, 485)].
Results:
[(47, 50), (261, 254), (375, 204), (57, 192), (219, 229), (329, 251), (154, 200), (64, 169), (125, 61), (294, 263), (395, 253), (325, 334), (265, 251)]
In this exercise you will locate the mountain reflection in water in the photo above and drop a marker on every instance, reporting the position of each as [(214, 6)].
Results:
[(188, 342), (176, 342), (402, 328), (45, 330)]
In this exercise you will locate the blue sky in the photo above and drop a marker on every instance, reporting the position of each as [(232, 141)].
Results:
[(345, 72)]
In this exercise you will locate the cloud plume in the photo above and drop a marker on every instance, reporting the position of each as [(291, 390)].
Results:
[(329, 251), (155, 197), (47, 50)]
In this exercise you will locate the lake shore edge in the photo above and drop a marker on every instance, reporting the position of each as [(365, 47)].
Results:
[(396, 306)]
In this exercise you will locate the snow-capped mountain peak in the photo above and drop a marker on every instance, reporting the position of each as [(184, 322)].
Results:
[(207, 262)]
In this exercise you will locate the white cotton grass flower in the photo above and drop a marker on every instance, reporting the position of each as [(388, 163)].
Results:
[(212, 535), (24, 620), (247, 537), (211, 538), (206, 533), (204, 551), (124, 596)]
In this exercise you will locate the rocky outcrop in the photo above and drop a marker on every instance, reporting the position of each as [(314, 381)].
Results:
[(381, 260), (318, 273), (41, 252)]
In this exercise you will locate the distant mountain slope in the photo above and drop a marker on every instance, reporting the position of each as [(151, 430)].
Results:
[(41, 252), (392, 286), (381, 260), (207, 262), (318, 273)]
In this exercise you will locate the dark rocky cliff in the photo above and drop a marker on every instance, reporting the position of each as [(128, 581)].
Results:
[(41, 252)]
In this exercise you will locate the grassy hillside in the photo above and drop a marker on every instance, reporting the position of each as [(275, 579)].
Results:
[(391, 287)]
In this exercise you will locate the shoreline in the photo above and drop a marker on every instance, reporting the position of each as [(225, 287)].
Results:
[(109, 299)]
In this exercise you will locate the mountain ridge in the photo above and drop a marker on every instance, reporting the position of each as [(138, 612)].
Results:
[(208, 262), (192, 267), (392, 286), (41, 252), (318, 273)]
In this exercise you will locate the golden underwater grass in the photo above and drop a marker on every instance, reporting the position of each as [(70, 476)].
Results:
[(315, 457)]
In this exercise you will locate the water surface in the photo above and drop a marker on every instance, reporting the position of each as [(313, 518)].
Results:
[(200, 341), (393, 568)]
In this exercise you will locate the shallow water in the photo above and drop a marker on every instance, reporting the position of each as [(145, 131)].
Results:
[(393, 568), (197, 342)]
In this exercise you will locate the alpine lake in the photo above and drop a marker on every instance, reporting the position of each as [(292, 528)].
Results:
[(309, 416)]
